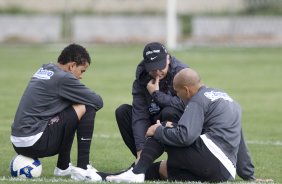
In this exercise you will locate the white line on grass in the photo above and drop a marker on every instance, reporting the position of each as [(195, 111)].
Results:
[(62, 180), (255, 142), (107, 136), (272, 143), (52, 180)]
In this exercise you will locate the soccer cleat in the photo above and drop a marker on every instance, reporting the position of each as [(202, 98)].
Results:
[(60, 172), (127, 177), (89, 174)]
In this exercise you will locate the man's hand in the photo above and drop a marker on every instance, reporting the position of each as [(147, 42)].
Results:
[(153, 85), (169, 124), (152, 129)]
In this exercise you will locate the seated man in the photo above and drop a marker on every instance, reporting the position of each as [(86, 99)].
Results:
[(55, 106), (153, 96), (202, 146)]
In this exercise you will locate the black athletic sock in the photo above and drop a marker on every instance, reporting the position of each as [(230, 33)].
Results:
[(69, 132), (85, 130), (153, 172), (152, 150), (63, 160), (64, 156)]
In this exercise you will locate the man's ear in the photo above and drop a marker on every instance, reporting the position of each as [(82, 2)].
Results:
[(167, 59), (71, 65), (187, 90)]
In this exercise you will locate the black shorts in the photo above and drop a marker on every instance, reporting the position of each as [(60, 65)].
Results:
[(60, 129), (195, 163)]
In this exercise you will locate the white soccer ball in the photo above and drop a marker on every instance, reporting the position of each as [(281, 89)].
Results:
[(25, 167)]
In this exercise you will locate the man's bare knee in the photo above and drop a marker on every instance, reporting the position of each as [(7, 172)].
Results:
[(80, 110)]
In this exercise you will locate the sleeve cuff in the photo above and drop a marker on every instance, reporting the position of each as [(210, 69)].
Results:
[(159, 132), (155, 94)]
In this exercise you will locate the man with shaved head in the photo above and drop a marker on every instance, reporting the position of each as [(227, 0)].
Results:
[(202, 146), (187, 83)]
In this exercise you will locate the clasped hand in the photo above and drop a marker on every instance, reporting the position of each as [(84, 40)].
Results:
[(153, 85), (152, 129)]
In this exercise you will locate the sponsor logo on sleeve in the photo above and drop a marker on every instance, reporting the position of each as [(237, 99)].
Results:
[(43, 74)]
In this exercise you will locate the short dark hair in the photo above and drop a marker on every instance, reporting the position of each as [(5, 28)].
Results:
[(74, 53)]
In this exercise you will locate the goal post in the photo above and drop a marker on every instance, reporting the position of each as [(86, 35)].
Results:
[(171, 24)]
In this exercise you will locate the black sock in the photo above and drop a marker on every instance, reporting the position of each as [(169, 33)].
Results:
[(64, 152), (152, 150), (63, 161), (64, 156), (85, 130), (153, 172)]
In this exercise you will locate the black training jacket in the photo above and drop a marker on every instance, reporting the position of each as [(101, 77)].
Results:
[(166, 96)]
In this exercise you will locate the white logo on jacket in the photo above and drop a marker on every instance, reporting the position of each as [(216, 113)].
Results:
[(215, 95), (43, 74)]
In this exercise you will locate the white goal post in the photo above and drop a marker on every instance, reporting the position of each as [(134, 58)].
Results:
[(171, 24)]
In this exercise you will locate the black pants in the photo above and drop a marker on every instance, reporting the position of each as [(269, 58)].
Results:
[(57, 137), (194, 163), (124, 121)]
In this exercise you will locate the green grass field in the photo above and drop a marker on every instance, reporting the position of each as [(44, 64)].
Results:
[(251, 76)]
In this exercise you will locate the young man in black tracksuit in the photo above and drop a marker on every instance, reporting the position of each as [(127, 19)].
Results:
[(155, 99)]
